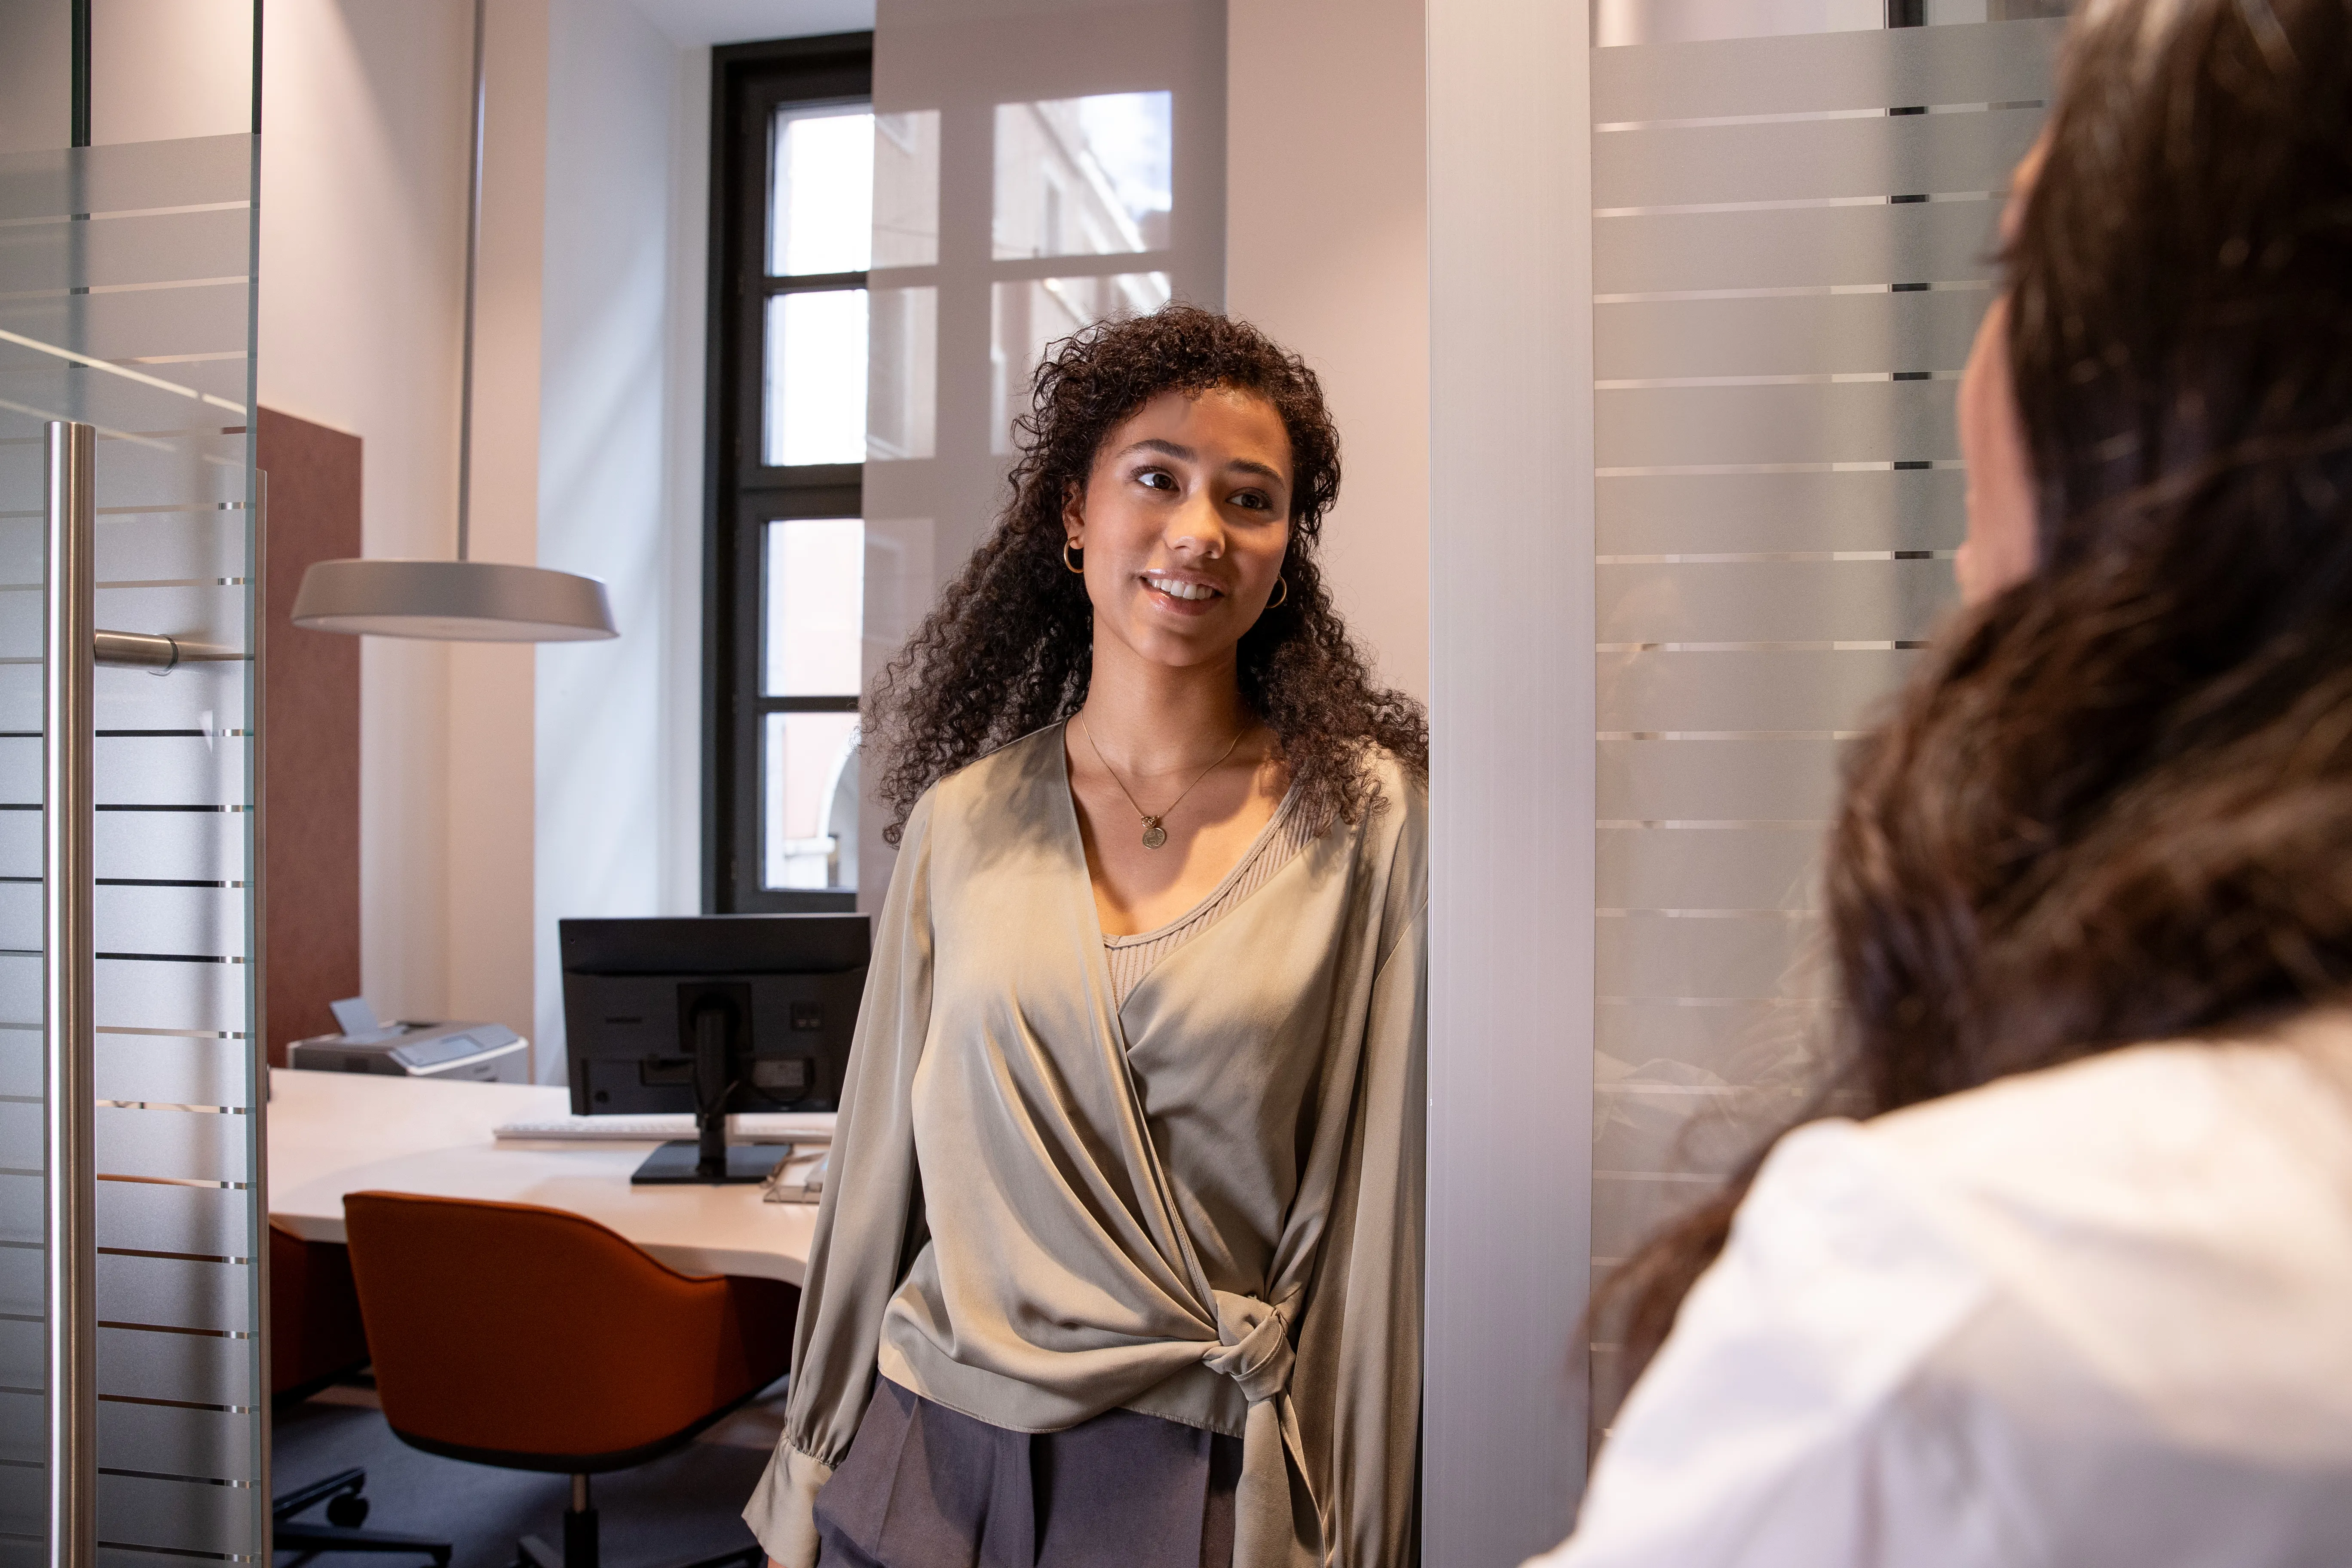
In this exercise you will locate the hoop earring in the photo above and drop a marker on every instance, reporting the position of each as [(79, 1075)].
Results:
[(1065, 557), (1283, 584)]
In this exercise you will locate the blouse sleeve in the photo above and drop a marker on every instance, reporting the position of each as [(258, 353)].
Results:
[(869, 1223), (1784, 1419), (1360, 1330)]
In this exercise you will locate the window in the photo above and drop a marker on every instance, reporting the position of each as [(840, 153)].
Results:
[(835, 397), (791, 240)]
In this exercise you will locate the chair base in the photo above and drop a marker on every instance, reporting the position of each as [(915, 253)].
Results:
[(346, 1510), (580, 1549)]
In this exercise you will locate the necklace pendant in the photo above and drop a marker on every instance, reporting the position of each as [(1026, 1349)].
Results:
[(1154, 836)]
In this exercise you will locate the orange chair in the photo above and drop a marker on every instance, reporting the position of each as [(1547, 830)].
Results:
[(532, 1339)]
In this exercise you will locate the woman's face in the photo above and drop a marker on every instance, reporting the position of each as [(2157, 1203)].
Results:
[(2001, 547), (1184, 522)]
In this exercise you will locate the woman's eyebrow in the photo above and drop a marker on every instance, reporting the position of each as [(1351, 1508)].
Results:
[(1183, 454)]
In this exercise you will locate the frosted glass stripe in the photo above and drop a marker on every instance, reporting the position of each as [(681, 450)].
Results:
[(1707, 1137), (196, 1369), (1819, 247), (175, 1145), (134, 408), (135, 176), (22, 1478), (145, 769), (146, 1217), (1730, 959), (1736, 513), (1992, 63), (174, 1069), (1686, 427), (172, 1292), (1737, 1040), (203, 921), (164, 1440), (1804, 692), (1820, 334), (1849, 601), (21, 1283), (184, 1516), (203, 847), (140, 994), (1626, 1214), (150, 324), (1812, 160), (1719, 780), (1760, 869)]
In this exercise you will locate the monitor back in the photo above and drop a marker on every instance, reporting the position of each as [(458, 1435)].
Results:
[(630, 987)]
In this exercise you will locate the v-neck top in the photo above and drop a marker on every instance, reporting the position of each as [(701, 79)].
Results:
[(1200, 1199), (1133, 957)]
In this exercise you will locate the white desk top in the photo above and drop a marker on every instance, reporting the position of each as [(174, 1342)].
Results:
[(332, 1133)]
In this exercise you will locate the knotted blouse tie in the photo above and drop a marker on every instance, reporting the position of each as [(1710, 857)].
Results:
[(1253, 1349)]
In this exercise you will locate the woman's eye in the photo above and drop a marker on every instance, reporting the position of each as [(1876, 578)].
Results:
[(1156, 478), (1254, 500)]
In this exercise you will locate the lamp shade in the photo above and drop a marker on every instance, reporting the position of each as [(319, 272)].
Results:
[(453, 601)]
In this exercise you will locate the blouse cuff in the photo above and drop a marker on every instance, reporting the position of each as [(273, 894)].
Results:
[(782, 1509)]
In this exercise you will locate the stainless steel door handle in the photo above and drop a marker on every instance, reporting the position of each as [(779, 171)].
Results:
[(69, 965)]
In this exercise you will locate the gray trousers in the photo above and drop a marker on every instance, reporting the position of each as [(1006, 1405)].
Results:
[(925, 1487)]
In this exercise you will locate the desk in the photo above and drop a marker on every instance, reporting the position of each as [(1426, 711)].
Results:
[(331, 1133)]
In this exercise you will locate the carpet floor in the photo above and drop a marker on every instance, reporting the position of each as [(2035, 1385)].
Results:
[(680, 1509)]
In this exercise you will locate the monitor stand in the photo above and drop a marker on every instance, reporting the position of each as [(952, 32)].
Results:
[(707, 1158), (679, 1163)]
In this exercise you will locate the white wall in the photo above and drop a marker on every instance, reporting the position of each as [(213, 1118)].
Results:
[(1327, 248), (618, 723), (362, 234), (1512, 776), (365, 121)]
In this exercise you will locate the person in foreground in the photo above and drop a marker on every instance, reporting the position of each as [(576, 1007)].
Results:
[(1120, 1257), (2080, 1292)]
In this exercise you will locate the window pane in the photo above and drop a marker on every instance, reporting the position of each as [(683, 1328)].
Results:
[(814, 595), (821, 206), (808, 787), (1084, 176), (903, 380), (906, 188), (1029, 317), (817, 378)]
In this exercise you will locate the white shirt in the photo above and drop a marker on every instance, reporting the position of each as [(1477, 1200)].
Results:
[(2097, 1315)]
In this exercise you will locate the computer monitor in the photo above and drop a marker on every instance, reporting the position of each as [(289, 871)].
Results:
[(711, 1014)]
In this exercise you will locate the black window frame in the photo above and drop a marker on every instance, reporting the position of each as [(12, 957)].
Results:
[(749, 83)]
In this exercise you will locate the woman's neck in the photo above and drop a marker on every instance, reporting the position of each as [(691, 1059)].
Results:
[(1151, 717)]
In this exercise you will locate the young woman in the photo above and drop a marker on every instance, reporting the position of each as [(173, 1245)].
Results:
[(2083, 1295), (1119, 1257)]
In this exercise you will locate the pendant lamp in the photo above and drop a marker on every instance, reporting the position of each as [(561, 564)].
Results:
[(461, 600)]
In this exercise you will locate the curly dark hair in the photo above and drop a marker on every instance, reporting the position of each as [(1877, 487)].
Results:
[(1009, 649), (2115, 804)]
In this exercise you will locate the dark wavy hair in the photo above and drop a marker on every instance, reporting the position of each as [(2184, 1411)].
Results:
[(2115, 804), (1009, 649)]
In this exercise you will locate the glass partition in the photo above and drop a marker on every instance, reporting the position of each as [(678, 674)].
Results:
[(1792, 244), (126, 294)]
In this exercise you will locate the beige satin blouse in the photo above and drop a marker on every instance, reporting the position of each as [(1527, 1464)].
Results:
[(1204, 1205)]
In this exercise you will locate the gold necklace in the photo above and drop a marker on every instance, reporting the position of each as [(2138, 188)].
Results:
[(1154, 836)]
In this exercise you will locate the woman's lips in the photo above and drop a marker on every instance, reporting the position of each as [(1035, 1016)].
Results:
[(1170, 594)]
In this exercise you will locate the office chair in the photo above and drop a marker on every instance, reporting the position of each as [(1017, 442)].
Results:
[(532, 1339), (316, 1337)]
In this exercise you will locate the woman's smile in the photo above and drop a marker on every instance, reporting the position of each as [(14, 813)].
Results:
[(1180, 595)]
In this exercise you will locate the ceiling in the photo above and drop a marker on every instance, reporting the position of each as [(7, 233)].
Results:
[(739, 21)]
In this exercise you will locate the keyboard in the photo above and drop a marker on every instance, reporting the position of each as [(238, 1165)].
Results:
[(753, 1127)]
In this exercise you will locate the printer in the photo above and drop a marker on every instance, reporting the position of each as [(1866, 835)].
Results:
[(479, 1053)]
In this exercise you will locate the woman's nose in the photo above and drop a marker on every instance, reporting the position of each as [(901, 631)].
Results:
[(1197, 528)]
